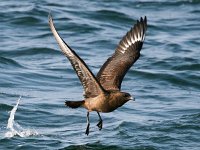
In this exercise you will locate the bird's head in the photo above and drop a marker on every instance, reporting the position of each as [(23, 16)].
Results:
[(127, 96), (117, 99), (122, 98)]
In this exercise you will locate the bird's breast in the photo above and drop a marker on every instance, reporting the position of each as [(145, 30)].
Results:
[(102, 103)]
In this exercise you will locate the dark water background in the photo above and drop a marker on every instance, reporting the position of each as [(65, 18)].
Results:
[(165, 80)]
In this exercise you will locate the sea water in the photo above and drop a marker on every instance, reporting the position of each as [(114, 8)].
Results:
[(165, 80)]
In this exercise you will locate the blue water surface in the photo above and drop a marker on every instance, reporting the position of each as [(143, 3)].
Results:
[(165, 80)]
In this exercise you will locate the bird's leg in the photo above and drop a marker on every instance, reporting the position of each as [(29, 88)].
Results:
[(100, 124), (88, 124)]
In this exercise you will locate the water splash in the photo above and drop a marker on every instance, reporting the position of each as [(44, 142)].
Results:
[(14, 128)]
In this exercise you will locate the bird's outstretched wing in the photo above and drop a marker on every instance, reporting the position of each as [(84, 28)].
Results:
[(90, 84), (127, 52)]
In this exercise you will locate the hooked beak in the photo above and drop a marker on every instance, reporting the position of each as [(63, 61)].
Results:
[(132, 98)]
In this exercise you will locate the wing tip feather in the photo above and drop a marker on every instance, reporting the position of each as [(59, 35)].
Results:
[(136, 34)]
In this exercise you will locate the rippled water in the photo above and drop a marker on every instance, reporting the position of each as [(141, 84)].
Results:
[(165, 80)]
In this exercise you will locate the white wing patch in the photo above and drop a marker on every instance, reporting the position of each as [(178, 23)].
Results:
[(136, 34)]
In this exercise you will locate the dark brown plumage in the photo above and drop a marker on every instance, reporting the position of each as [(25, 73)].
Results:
[(102, 93)]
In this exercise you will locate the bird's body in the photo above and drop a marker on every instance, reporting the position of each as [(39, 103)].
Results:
[(102, 103), (103, 92)]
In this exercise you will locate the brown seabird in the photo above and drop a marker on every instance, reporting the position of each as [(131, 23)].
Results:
[(103, 92)]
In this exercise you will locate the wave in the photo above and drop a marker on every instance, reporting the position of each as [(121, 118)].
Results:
[(30, 52), (173, 77), (9, 63), (5, 106), (97, 146), (25, 20), (116, 16)]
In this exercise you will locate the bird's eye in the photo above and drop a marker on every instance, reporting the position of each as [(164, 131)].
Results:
[(127, 95)]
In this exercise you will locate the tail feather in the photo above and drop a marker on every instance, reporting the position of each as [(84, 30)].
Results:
[(74, 104)]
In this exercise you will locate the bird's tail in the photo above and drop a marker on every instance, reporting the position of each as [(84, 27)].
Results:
[(74, 104)]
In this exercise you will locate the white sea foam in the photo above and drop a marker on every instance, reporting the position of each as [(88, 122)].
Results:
[(14, 128)]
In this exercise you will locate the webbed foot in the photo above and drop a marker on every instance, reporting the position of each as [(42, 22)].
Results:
[(100, 124)]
